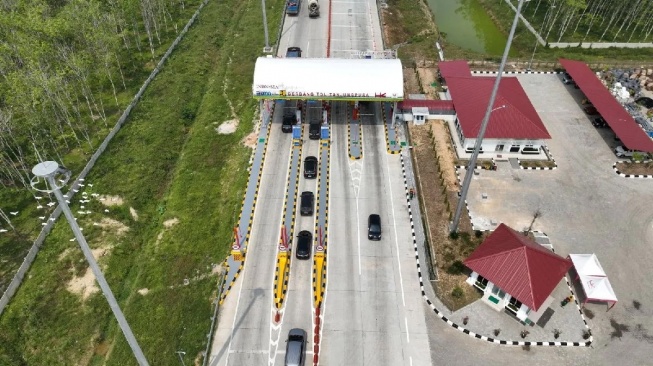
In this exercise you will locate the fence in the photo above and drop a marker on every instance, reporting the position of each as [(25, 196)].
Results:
[(31, 255), (539, 65)]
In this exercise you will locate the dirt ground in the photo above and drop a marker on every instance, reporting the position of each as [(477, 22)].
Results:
[(636, 168), (438, 189), (428, 76)]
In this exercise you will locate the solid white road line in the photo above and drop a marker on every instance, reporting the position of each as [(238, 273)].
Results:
[(233, 325), (394, 222), (407, 335)]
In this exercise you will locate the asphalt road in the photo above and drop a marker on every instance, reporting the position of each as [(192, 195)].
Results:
[(243, 332), (310, 34), (297, 312), (373, 311), (354, 27)]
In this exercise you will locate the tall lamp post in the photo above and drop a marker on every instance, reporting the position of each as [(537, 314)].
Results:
[(267, 48), (481, 133), (49, 177)]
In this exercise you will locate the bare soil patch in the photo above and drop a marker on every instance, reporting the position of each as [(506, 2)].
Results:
[(144, 291), (85, 284), (250, 140), (108, 200), (437, 190), (227, 127), (108, 223), (428, 76), (636, 168), (411, 84), (170, 222), (134, 214)]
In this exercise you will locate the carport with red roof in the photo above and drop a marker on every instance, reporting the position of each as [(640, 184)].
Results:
[(621, 122)]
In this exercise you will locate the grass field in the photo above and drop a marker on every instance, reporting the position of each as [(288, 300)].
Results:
[(181, 186)]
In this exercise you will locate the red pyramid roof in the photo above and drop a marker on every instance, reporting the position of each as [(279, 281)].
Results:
[(522, 268), (513, 117)]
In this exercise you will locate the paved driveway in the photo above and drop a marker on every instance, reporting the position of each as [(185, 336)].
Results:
[(585, 208)]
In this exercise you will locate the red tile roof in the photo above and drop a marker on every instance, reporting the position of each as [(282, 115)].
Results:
[(454, 68), (621, 122), (431, 104), (520, 267), (517, 120)]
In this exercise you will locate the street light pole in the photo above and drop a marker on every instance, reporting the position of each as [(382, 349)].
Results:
[(267, 48), (179, 353), (48, 170), (486, 119)]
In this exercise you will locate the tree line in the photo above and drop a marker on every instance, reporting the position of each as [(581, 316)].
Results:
[(592, 20), (59, 60)]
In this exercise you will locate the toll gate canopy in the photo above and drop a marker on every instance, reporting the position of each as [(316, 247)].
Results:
[(328, 79), (621, 122)]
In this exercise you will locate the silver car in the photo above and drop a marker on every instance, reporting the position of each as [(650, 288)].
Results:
[(296, 347)]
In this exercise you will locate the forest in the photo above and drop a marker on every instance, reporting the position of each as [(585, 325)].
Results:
[(591, 20), (58, 59)]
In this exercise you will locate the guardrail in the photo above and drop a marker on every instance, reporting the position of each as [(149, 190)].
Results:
[(31, 255)]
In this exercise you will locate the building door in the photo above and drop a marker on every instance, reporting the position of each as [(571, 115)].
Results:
[(499, 148)]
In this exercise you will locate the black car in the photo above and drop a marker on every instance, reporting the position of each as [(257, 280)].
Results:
[(374, 227), (289, 119), (304, 242), (294, 52), (310, 167), (314, 130), (306, 203), (599, 122), (566, 78)]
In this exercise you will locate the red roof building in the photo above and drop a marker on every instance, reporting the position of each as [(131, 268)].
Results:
[(621, 122), (522, 268), (454, 69), (514, 117)]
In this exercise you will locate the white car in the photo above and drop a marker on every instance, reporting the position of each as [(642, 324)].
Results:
[(622, 152)]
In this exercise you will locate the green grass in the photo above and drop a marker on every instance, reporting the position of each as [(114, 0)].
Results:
[(167, 162)]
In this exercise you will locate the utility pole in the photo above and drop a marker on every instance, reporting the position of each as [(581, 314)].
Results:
[(49, 178), (481, 133), (267, 48)]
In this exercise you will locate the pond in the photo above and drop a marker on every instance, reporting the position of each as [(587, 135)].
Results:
[(467, 25)]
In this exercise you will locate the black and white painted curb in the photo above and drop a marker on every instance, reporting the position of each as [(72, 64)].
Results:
[(517, 72), (616, 170), (462, 329)]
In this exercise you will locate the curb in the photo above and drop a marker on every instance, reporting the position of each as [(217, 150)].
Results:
[(548, 154), (460, 328), (360, 135), (642, 176), (225, 292), (387, 134)]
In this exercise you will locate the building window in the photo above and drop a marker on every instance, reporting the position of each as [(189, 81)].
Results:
[(513, 305), (470, 149), (497, 292), (481, 282), (530, 149), (514, 148), (499, 148)]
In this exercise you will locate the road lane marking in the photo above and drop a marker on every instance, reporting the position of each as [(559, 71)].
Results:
[(407, 335), (233, 325), (394, 221)]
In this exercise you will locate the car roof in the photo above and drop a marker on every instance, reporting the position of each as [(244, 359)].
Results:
[(305, 233), (375, 218), (307, 193)]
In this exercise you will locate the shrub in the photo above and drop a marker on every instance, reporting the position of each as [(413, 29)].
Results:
[(478, 233), (454, 235), (457, 292), (457, 267)]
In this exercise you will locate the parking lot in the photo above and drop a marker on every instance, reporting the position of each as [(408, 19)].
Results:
[(584, 208)]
